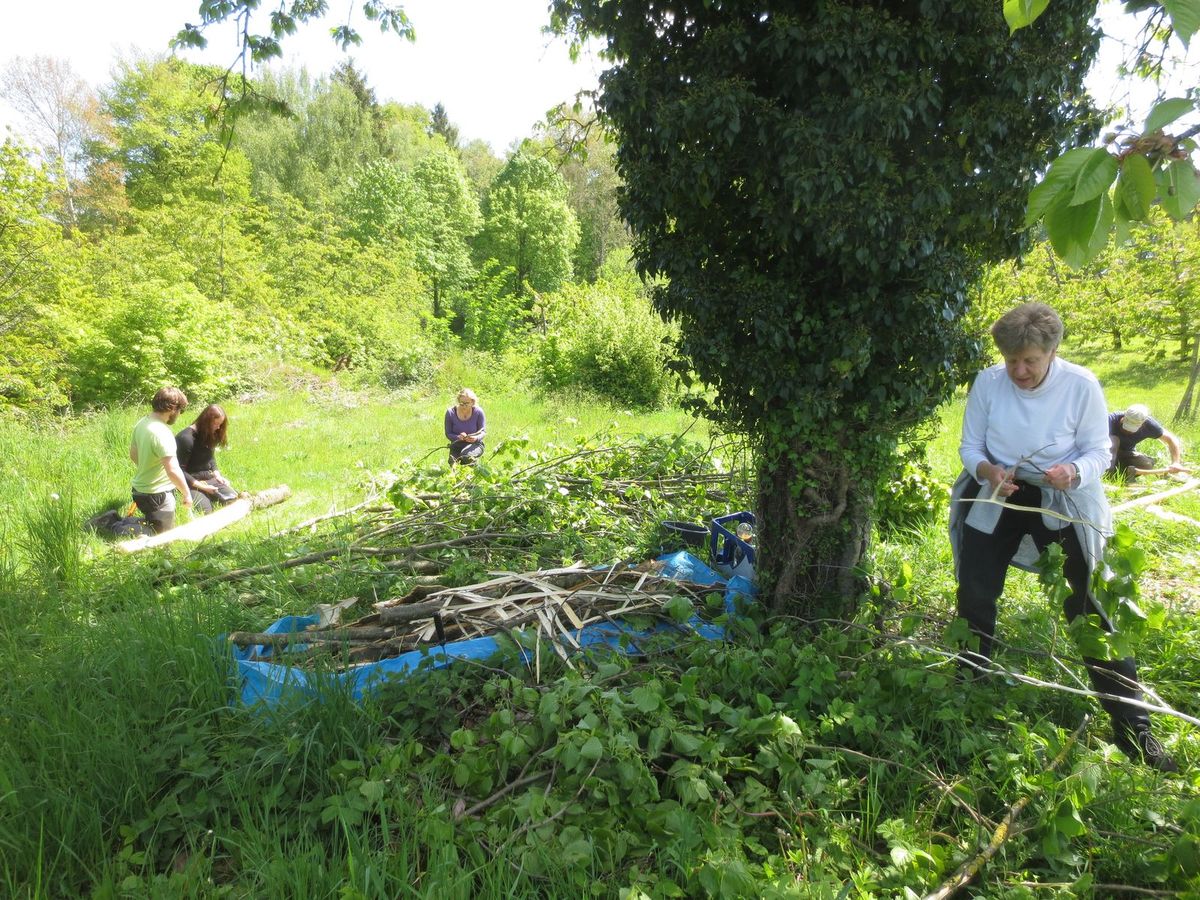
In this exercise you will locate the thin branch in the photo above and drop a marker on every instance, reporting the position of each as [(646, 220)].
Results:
[(968, 870)]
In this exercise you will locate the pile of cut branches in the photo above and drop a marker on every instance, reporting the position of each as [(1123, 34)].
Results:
[(552, 607), (525, 509)]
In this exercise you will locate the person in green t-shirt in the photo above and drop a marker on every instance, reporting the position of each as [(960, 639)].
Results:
[(152, 450)]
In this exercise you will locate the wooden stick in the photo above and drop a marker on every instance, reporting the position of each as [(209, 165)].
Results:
[(1171, 516), (1155, 498), (309, 523), (349, 635), (322, 555), (971, 867)]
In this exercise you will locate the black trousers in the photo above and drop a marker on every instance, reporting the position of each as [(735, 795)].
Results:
[(983, 565), (465, 452), (1124, 460), (153, 508)]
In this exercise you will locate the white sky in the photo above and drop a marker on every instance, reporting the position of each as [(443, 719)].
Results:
[(487, 61)]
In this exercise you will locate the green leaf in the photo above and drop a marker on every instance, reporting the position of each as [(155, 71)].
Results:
[(1020, 13), (1185, 17), (1136, 185), (592, 749), (1071, 229), (1067, 820), (646, 699), (372, 790), (1179, 188), (1166, 112), (1059, 181), (657, 740), (679, 608), (1100, 234), (1096, 176)]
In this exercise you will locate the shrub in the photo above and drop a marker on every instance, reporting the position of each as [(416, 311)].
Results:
[(910, 495), (610, 341), (162, 334)]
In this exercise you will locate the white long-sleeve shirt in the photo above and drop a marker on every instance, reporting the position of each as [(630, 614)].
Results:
[(1062, 420), (1065, 420)]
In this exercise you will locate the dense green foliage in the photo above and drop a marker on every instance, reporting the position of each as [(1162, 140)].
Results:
[(348, 234), (820, 186), (1092, 195), (529, 225), (605, 337)]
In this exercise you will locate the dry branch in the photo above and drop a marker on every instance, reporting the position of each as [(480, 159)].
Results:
[(554, 604), (322, 555), (971, 867)]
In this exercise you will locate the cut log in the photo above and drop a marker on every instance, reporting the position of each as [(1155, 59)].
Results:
[(203, 526), (270, 496)]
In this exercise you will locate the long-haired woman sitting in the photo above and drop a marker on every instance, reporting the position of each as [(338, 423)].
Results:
[(196, 449)]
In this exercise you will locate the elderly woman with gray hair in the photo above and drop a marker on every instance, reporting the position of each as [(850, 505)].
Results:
[(1035, 435)]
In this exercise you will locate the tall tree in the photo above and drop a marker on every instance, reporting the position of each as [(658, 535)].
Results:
[(347, 75), (439, 123), (451, 220), (584, 155), (481, 165), (529, 225), (61, 116), (821, 183), (163, 138)]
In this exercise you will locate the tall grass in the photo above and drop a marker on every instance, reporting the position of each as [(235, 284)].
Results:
[(53, 541)]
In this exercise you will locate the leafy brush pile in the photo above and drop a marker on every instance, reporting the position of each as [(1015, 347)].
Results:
[(521, 509), (799, 762)]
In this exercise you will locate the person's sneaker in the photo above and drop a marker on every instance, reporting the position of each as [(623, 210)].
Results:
[(1142, 746)]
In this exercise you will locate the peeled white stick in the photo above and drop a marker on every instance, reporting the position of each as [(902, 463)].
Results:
[(202, 526)]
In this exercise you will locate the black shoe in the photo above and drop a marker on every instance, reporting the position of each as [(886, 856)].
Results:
[(1141, 746)]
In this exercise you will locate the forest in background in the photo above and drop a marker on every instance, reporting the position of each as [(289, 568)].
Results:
[(138, 248), (337, 232)]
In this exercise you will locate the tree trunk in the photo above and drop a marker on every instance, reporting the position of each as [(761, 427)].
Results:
[(1185, 412), (1116, 338), (810, 545)]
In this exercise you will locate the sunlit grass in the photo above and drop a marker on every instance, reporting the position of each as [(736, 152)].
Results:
[(116, 715)]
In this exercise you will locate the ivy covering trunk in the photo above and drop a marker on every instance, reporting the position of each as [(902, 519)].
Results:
[(820, 184)]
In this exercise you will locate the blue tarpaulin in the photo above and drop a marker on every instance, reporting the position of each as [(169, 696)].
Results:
[(267, 682)]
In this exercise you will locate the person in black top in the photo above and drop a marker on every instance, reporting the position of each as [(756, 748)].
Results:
[(196, 449), (1129, 428)]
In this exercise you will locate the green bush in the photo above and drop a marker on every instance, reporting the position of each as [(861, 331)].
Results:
[(910, 495), (163, 334), (609, 340), (493, 309)]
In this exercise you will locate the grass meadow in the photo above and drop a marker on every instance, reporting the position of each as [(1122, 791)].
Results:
[(126, 769)]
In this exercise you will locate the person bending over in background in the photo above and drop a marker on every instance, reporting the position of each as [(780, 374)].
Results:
[(153, 452), (1128, 429), (465, 428), (1033, 432), (197, 451)]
